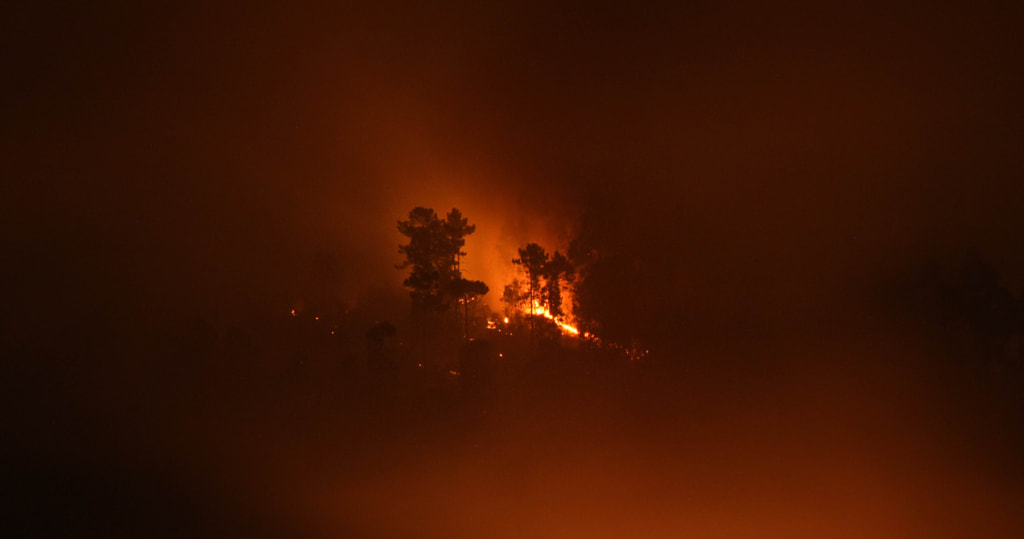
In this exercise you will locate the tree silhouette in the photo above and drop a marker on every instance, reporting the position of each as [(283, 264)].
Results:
[(434, 254), (425, 254), (532, 259), (514, 296), (466, 291), (555, 271), (456, 228)]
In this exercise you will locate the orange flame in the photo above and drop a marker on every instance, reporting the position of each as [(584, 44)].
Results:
[(539, 309)]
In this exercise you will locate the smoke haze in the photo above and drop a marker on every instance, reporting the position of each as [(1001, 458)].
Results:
[(776, 177)]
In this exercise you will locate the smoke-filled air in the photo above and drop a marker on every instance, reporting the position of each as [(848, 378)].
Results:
[(523, 270)]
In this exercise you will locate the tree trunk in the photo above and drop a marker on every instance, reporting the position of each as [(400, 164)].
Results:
[(531, 312)]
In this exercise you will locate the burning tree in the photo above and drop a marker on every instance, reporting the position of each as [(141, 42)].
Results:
[(532, 259), (542, 291), (603, 277), (515, 297), (556, 270)]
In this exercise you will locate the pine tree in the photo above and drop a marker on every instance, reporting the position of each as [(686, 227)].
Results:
[(532, 259)]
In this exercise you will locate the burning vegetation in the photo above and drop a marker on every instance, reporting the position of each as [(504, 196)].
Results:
[(540, 304)]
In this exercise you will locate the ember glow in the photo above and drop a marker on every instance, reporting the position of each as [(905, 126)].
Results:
[(540, 310)]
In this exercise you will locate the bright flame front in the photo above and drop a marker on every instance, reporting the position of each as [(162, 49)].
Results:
[(539, 309)]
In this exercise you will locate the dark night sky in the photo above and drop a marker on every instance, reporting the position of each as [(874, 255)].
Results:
[(221, 146)]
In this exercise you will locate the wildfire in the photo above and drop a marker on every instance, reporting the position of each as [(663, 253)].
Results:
[(540, 310), (633, 351)]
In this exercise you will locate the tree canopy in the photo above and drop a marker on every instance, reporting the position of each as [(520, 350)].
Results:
[(434, 254), (532, 259)]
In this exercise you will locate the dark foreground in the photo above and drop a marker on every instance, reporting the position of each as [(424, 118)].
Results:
[(727, 441)]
